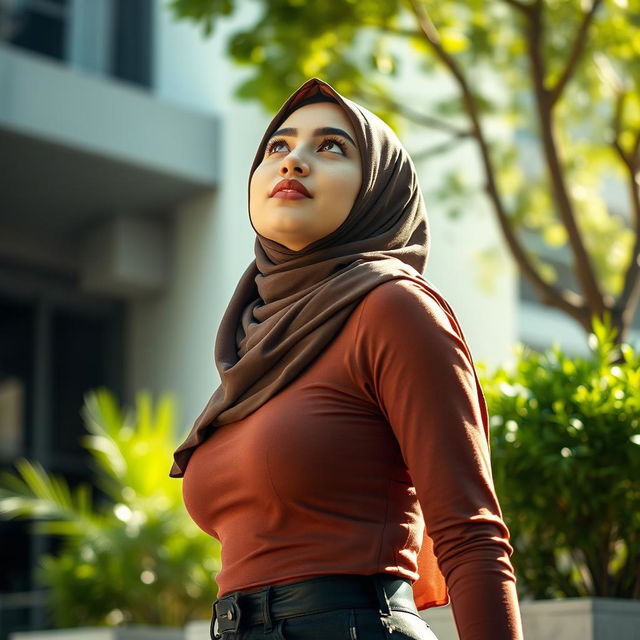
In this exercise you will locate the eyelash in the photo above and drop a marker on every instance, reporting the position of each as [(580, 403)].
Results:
[(337, 141)]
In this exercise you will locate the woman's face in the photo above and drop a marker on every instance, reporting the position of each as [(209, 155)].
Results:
[(315, 146)]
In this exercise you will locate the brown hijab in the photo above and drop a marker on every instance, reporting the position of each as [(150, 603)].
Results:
[(289, 305)]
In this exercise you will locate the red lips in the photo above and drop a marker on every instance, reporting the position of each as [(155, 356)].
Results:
[(293, 185)]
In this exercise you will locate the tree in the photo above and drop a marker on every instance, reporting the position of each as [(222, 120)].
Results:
[(571, 71)]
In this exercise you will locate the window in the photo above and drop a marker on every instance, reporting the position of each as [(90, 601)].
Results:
[(38, 25), (16, 380), (132, 41), (55, 345), (108, 37)]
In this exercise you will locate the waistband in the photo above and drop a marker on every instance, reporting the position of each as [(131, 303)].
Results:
[(382, 591)]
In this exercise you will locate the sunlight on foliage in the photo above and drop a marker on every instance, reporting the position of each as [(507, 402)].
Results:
[(565, 435), (555, 234), (134, 551), (488, 265), (453, 41)]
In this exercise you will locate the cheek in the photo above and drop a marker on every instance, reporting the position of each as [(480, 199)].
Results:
[(345, 188), (256, 191)]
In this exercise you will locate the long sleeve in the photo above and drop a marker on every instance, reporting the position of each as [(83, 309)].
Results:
[(417, 367)]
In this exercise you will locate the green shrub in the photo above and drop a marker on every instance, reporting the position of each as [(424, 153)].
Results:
[(139, 558), (565, 443)]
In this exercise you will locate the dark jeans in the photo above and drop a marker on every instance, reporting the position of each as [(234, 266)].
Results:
[(360, 608)]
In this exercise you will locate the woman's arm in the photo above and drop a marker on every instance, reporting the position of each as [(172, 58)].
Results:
[(422, 377)]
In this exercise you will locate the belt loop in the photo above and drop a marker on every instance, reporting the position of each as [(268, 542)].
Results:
[(383, 601), (266, 610)]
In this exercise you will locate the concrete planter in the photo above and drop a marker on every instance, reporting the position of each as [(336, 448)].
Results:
[(569, 619), (128, 632), (197, 630)]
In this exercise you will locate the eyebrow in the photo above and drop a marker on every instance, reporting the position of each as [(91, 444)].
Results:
[(321, 131)]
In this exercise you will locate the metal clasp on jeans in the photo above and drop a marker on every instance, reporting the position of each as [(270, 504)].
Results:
[(226, 616), (213, 627)]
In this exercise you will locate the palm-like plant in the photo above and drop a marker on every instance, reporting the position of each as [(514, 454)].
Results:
[(138, 558)]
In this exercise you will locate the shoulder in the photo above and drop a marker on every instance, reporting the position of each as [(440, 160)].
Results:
[(409, 304), (408, 331)]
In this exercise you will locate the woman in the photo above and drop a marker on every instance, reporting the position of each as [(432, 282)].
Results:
[(350, 420)]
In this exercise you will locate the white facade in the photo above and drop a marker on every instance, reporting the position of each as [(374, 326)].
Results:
[(171, 336)]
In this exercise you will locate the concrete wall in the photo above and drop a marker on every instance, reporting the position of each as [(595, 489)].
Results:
[(171, 337)]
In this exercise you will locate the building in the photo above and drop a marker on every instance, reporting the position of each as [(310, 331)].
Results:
[(114, 258)]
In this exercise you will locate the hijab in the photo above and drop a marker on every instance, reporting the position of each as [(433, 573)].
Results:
[(289, 305)]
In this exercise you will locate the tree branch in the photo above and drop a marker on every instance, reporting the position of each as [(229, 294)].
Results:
[(397, 31), (568, 301), (520, 6), (577, 49), (410, 114), (630, 296), (435, 150), (584, 269), (617, 119)]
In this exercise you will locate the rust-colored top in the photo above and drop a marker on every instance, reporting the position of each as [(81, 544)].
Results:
[(337, 473)]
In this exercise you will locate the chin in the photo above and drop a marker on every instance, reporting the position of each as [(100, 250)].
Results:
[(295, 245)]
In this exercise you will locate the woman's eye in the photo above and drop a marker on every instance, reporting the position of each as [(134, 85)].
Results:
[(272, 147), (335, 143)]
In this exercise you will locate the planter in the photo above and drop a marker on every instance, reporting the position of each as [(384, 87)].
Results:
[(126, 632), (197, 630), (569, 619)]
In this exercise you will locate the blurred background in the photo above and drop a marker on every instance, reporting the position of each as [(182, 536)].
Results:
[(127, 130)]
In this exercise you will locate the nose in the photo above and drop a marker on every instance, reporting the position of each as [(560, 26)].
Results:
[(293, 164)]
